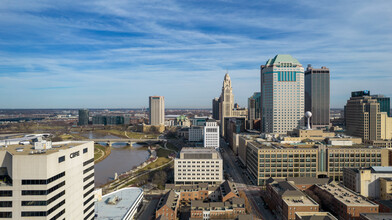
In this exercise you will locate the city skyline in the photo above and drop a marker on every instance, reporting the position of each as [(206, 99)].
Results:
[(115, 55)]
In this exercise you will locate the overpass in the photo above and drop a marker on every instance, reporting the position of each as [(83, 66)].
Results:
[(129, 141)]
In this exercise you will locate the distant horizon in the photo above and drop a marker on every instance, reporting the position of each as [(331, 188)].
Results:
[(78, 54)]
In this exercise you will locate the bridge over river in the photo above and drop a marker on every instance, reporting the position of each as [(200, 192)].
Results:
[(129, 141)]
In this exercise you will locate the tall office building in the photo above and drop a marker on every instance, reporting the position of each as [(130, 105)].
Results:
[(364, 118), (226, 104), (385, 103), (83, 117), (317, 95), (157, 110), (215, 108), (254, 107), (282, 94), (54, 182), (211, 134)]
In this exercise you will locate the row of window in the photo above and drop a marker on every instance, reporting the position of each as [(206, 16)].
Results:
[(356, 160), (355, 155), (88, 162), (58, 215), (5, 203), (5, 193), (288, 165), (89, 215), (88, 200), (43, 213), (198, 166), (88, 184), (88, 193), (43, 203), (88, 169), (288, 160), (43, 182), (88, 208), (286, 155), (193, 174), (198, 178), (289, 170), (198, 170), (42, 192), (203, 161), (88, 177)]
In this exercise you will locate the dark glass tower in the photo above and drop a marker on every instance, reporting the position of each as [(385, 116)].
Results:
[(317, 95), (83, 117)]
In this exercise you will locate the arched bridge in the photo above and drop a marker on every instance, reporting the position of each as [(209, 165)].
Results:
[(129, 141)]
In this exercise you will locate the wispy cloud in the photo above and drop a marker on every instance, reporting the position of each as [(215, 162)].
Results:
[(117, 53)]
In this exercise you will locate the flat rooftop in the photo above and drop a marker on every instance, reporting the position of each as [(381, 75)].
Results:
[(199, 153), (291, 195), (346, 196), (376, 216), (127, 198), (315, 216), (28, 149)]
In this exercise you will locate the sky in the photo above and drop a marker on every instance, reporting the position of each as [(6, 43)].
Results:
[(114, 54)]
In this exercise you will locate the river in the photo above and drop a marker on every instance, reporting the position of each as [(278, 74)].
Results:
[(122, 158)]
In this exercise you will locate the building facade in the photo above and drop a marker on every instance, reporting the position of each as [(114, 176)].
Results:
[(196, 134), (51, 183), (83, 117), (157, 110), (367, 181), (365, 120), (211, 134), (317, 95), (282, 94), (198, 165)]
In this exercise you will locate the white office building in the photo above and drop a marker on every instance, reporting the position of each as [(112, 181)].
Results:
[(54, 182), (211, 134), (198, 165), (282, 94)]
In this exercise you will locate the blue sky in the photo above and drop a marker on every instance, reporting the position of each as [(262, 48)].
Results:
[(114, 54)]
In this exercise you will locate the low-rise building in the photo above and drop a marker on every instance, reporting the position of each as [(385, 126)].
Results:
[(167, 206), (198, 165), (217, 210), (286, 199), (370, 182), (122, 204), (342, 202)]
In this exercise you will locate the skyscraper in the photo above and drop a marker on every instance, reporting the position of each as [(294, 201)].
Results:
[(365, 120), (83, 117), (215, 108), (226, 103), (317, 95), (282, 94), (157, 110), (385, 103)]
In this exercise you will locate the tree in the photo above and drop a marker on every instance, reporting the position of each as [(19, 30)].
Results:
[(159, 178)]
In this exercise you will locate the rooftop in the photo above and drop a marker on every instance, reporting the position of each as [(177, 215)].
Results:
[(290, 194), (308, 180), (282, 58), (28, 149), (376, 216), (126, 198), (315, 216), (199, 153), (170, 200), (345, 195)]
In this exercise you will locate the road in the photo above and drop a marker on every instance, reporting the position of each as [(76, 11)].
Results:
[(243, 183)]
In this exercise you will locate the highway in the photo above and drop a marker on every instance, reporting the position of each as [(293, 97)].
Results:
[(243, 183)]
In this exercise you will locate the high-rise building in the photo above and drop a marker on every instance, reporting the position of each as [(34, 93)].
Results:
[(226, 104), (215, 108), (157, 110), (282, 94), (83, 117), (254, 107), (56, 182), (365, 120), (385, 103), (317, 95), (198, 165), (211, 134)]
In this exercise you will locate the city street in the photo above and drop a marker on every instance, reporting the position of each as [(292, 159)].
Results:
[(243, 183)]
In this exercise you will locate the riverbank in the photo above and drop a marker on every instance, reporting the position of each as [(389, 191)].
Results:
[(101, 152)]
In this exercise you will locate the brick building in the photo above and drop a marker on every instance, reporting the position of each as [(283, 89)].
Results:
[(167, 206)]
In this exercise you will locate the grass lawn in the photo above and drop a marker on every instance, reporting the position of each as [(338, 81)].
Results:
[(99, 151), (159, 162), (161, 152)]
